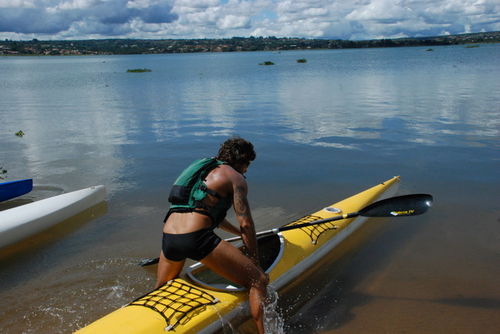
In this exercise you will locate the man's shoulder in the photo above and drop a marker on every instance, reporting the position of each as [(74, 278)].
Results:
[(226, 169), (231, 173)]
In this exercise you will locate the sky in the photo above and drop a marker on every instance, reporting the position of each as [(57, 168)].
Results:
[(186, 19)]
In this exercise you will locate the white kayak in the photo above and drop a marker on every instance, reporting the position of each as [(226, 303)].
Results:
[(26, 220)]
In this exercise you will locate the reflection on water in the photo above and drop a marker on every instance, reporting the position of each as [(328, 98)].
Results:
[(432, 103), (90, 110), (323, 130)]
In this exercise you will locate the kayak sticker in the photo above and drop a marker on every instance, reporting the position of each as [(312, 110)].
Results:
[(175, 301), (403, 213)]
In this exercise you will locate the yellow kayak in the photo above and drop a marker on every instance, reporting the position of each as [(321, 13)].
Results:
[(201, 302)]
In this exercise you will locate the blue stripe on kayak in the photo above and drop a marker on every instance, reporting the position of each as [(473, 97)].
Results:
[(14, 189)]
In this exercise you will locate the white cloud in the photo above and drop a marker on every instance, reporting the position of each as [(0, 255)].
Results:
[(356, 19), (140, 4), (17, 3), (381, 10), (233, 22), (72, 5)]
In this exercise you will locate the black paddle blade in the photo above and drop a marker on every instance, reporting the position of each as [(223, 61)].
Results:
[(407, 205)]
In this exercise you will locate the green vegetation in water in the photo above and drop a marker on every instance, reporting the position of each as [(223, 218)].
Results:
[(3, 172), (429, 50), (267, 63), (20, 133), (302, 60), (471, 46), (138, 70)]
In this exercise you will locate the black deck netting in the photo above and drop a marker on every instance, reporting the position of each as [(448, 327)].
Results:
[(314, 231), (175, 300)]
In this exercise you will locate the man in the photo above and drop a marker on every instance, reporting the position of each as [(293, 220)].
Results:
[(200, 199)]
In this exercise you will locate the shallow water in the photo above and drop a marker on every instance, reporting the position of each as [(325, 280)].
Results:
[(344, 121), (274, 321)]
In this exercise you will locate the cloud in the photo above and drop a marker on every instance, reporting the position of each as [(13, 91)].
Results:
[(233, 22), (366, 19), (355, 19), (214, 18), (81, 17), (31, 20)]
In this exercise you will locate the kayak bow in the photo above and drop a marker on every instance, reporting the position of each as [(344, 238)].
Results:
[(26, 220)]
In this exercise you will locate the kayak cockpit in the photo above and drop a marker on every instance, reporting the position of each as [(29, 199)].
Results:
[(270, 252)]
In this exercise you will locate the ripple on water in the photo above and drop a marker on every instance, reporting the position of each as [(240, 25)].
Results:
[(65, 302)]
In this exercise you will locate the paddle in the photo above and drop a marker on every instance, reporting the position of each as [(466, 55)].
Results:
[(399, 206)]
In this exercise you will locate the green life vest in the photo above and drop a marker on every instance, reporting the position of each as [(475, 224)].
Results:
[(189, 191)]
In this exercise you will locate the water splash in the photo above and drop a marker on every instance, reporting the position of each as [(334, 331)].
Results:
[(225, 324), (273, 320)]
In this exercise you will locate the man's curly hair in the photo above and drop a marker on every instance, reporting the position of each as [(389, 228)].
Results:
[(236, 151)]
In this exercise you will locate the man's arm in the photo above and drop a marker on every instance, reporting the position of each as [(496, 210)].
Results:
[(228, 227), (244, 216)]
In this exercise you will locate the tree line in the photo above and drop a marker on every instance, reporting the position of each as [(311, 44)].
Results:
[(149, 46)]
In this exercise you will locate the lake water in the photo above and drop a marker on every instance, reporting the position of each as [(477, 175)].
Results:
[(323, 130)]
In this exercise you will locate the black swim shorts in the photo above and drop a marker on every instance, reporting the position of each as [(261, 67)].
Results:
[(195, 245)]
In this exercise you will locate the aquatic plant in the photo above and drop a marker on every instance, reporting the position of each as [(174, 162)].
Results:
[(471, 46), (429, 50), (3, 172), (20, 133), (267, 63), (302, 60), (138, 70)]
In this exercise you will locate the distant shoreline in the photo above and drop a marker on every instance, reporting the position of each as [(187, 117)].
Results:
[(236, 44)]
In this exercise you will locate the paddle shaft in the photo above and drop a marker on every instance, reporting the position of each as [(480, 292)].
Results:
[(293, 227), (407, 205)]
